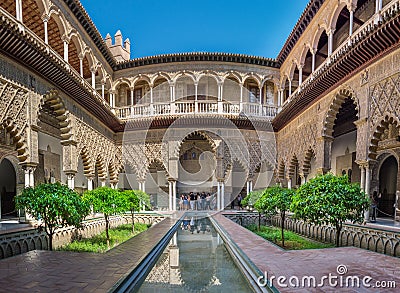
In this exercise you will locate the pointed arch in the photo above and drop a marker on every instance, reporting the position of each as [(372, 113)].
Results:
[(87, 164), (387, 119), (309, 155), (334, 108), (53, 100), (18, 138)]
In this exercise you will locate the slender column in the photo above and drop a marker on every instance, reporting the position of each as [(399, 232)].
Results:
[(261, 97), (81, 65), (170, 195), (351, 23), (313, 52), (102, 89), (247, 188), (330, 42), (93, 78), (219, 92), (174, 195), (367, 187), (18, 10), (90, 183), (46, 34), (303, 179), (289, 183), (241, 98), (172, 92), (71, 181), (65, 51), (132, 97), (102, 182), (151, 94), (300, 75), (290, 87), (222, 195), (218, 196), (31, 177), (362, 183), (27, 177), (195, 90)]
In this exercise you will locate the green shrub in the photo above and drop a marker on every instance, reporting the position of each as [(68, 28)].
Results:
[(292, 240), (98, 243)]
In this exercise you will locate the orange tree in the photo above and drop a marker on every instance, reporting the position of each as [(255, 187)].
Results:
[(55, 204), (276, 200), (107, 201), (330, 200), (135, 199)]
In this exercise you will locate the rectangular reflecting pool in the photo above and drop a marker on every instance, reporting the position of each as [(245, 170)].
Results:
[(195, 261)]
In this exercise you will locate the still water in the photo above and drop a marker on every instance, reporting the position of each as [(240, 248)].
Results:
[(195, 261)]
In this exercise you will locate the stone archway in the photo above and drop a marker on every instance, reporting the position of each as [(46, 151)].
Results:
[(8, 188), (388, 181)]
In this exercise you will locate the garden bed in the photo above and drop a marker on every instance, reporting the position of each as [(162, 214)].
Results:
[(292, 240), (98, 243)]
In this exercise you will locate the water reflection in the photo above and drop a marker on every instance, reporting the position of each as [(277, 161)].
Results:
[(195, 261)]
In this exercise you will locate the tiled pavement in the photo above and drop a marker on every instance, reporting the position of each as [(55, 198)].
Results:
[(44, 271), (317, 262)]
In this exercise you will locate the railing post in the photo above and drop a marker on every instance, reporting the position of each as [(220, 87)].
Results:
[(220, 107)]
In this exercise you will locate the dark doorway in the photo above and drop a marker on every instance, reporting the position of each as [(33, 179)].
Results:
[(7, 189), (388, 187)]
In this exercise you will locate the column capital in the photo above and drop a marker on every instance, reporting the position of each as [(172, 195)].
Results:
[(45, 17)]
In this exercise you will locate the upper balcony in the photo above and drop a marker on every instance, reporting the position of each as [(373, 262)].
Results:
[(197, 107), (188, 94), (338, 53)]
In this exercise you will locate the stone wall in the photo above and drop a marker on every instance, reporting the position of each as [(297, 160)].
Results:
[(15, 243)]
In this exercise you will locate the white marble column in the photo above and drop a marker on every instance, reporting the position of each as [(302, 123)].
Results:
[(174, 195), (290, 87), (71, 181), (313, 52), (18, 10), (300, 75), (170, 195), (218, 196), (222, 195), (90, 183), (65, 51), (93, 78), (102, 89), (289, 183), (330, 42), (81, 65), (46, 33)]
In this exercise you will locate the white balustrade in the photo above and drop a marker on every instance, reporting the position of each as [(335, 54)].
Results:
[(189, 107)]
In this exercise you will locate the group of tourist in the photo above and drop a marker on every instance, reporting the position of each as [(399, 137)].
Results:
[(196, 201), (195, 224)]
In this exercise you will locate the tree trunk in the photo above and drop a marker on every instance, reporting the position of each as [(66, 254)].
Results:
[(133, 220), (282, 228), (107, 227), (50, 241), (338, 230)]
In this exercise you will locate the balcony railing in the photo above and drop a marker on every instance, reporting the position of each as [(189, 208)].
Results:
[(389, 9), (196, 107)]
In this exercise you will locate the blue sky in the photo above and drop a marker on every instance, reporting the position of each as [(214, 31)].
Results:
[(258, 27)]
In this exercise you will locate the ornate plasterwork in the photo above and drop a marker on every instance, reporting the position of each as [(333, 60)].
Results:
[(384, 109), (14, 117), (98, 147)]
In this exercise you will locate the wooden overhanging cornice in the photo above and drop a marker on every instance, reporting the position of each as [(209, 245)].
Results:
[(369, 46), (31, 52), (197, 56), (308, 14)]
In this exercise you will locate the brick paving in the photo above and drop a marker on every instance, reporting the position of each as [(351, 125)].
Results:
[(45, 271), (316, 262)]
